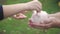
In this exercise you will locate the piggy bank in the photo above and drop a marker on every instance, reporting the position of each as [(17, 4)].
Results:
[(39, 17)]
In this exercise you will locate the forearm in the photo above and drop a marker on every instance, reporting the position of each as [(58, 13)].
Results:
[(13, 9), (58, 23), (57, 15), (17, 8)]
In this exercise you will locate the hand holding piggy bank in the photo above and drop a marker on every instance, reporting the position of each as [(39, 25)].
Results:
[(38, 18)]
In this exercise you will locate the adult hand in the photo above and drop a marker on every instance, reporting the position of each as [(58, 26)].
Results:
[(51, 23)]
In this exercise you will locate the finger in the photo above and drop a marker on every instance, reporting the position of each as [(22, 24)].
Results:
[(48, 25), (47, 21), (39, 7), (37, 26), (34, 26), (30, 22), (44, 26), (35, 0)]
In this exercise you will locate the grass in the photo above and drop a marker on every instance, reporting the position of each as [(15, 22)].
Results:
[(20, 26)]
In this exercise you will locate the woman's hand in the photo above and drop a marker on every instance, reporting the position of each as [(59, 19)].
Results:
[(51, 23)]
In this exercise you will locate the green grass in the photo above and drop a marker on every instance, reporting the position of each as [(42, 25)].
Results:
[(20, 26)]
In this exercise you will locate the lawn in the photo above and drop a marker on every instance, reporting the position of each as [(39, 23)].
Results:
[(20, 26)]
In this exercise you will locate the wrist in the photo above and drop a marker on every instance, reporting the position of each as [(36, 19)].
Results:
[(56, 23)]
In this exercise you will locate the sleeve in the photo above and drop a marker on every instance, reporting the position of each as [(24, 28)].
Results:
[(1, 12)]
